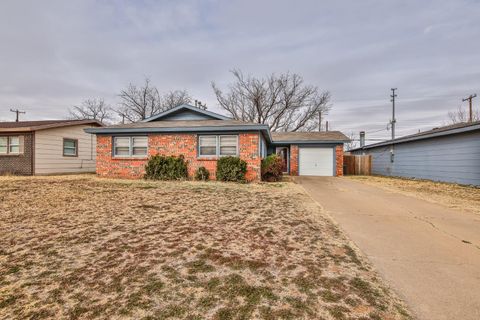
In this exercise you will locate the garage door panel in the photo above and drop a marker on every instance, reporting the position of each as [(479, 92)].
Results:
[(316, 161)]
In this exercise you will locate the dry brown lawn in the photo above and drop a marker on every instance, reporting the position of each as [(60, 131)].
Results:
[(464, 198), (80, 247)]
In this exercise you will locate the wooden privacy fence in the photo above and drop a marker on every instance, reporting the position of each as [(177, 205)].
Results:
[(357, 165)]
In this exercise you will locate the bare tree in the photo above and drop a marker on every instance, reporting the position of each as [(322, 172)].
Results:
[(175, 98), (461, 115), (352, 144), (141, 102), (92, 109), (282, 101)]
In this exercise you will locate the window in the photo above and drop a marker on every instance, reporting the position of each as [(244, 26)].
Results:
[(130, 146), (11, 145), (3, 145), (70, 147), (208, 145), (228, 145), (140, 146), (216, 146)]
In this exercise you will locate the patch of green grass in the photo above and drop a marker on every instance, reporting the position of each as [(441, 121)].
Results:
[(171, 311), (9, 300), (338, 312), (199, 266), (153, 286), (225, 314), (305, 284), (212, 283), (13, 270), (366, 291), (352, 255), (207, 302), (330, 296)]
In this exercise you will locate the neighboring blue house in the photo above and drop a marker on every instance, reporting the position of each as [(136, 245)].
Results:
[(449, 154)]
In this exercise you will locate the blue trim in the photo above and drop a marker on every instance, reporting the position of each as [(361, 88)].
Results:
[(189, 107)]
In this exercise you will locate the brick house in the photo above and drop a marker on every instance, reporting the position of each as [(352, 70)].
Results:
[(47, 147), (202, 137)]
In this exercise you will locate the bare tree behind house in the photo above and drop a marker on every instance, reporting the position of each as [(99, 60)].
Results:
[(461, 115), (141, 102), (92, 109), (352, 144), (282, 101), (175, 98)]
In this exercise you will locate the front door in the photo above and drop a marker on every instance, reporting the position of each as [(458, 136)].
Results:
[(282, 152)]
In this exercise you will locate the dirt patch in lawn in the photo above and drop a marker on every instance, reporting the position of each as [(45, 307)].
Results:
[(87, 248), (464, 198)]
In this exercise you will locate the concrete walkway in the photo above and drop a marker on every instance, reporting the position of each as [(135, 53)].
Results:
[(428, 253)]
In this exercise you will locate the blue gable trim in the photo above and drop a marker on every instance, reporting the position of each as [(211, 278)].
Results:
[(191, 113)]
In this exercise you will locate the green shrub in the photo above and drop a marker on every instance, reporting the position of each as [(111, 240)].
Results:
[(166, 168), (272, 168), (202, 174), (231, 169)]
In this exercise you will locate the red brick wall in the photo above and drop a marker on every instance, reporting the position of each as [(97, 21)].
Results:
[(339, 160), (174, 144), (294, 160)]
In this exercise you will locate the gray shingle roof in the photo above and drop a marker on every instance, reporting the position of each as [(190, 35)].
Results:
[(435, 132), (183, 123), (42, 124), (323, 136)]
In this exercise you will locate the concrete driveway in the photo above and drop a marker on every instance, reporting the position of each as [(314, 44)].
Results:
[(428, 253)]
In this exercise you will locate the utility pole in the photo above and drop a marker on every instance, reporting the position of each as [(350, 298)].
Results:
[(393, 121), (17, 112), (470, 98), (320, 120)]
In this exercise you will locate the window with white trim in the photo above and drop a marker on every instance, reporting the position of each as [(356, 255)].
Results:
[(208, 145), (70, 147), (11, 145), (130, 147), (217, 145)]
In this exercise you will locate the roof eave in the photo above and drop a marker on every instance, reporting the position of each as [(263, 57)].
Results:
[(106, 130), (309, 141), (51, 126), (426, 136)]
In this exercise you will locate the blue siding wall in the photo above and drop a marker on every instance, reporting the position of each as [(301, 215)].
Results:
[(186, 115), (454, 158)]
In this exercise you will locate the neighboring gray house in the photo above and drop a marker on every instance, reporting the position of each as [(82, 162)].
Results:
[(449, 154)]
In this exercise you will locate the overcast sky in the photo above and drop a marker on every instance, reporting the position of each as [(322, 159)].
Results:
[(54, 54)]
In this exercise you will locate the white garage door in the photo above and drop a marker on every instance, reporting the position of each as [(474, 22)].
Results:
[(316, 161)]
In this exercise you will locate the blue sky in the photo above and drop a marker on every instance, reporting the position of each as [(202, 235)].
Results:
[(55, 54)]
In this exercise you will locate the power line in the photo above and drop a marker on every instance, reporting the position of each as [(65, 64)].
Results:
[(392, 122), (17, 113), (470, 98)]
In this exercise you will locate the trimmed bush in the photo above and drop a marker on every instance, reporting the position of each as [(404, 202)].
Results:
[(202, 174), (272, 168), (166, 168), (231, 169)]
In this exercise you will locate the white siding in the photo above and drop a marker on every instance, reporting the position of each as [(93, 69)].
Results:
[(49, 157)]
